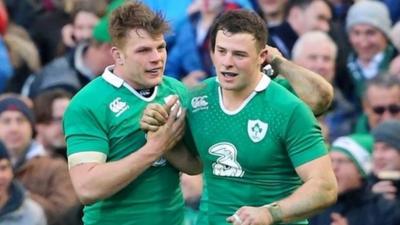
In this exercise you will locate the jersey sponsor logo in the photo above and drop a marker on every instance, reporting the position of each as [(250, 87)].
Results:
[(226, 164), (199, 103), (160, 162), (256, 130), (117, 106)]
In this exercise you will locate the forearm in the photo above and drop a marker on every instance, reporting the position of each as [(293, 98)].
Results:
[(96, 181), (184, 160), (310, 198), (311, 87)]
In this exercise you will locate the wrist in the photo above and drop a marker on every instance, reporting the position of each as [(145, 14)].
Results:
[(275, 212)]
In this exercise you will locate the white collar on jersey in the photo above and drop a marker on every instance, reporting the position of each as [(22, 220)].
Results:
[(112, 78), (262, 84), (117, 82)]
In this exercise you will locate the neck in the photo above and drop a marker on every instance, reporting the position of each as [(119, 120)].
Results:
[(274, 19), (233, 99), (119, 71)]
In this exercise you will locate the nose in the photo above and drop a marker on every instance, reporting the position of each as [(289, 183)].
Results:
[(156, 55), (227, 60)]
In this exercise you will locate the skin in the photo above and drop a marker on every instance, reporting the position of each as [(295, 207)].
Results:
[(141, 61), (385, 158), (83, 25), (380, 96), (320, 60), (316, 16), (15, 132), (237, 61), (367, 41), (347, 175), (51, 134), (6, 176)]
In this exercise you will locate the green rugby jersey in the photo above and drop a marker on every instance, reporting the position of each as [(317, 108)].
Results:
[(104, 118), (250, 155)]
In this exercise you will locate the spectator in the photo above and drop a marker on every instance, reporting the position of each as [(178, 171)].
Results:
[(356, 204), (385, 178), (368, 25), (45, 178), (340, 119), (75, 69), (16, 207), (381, 102), (49, 107)]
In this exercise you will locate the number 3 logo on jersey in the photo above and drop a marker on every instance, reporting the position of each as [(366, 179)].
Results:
[(226, 164), (256, 130)]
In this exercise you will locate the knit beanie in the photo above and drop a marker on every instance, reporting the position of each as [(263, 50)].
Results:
[(16, 104), (357, 148), (388, 132), (374, 13)]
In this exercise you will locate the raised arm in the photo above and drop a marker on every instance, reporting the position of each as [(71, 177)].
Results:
[(310, 87), (96, 181)]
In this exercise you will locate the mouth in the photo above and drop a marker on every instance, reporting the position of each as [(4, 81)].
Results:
[(229, 74), (154, 71)]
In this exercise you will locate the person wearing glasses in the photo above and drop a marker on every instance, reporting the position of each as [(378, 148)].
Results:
[(381, 102)]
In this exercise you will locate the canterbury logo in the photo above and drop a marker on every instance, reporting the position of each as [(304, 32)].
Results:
[(199, 103), (118, 106)]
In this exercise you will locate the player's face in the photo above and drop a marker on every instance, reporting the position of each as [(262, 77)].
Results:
[(142, 59), (347, 174), (237, 61)]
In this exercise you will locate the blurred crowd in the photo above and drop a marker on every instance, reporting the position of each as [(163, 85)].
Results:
[(50, 49)]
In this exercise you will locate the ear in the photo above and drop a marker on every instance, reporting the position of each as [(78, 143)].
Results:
[(263, 56), (118, 56)]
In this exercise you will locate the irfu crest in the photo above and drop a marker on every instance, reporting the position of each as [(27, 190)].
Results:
[(256, 130)]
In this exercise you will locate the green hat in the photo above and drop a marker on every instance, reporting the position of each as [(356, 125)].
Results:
[(357, 148), (100, 31)]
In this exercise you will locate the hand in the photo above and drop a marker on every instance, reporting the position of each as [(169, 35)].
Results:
[(338, 219), (169, 134), (386, 188), (68, 36), (247, 215), (156, 115), (193, 78), (272, 53)]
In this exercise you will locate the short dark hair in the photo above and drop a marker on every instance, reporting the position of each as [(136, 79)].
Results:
[(42, 104), (240, 21), (383, 81), (135, 15)]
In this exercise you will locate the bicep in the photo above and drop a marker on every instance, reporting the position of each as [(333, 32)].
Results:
[(319, 168)]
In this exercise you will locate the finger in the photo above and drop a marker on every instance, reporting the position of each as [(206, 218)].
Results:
[(170, 103), (157, 111), (147, 123), (147, 127), (173, 115)]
